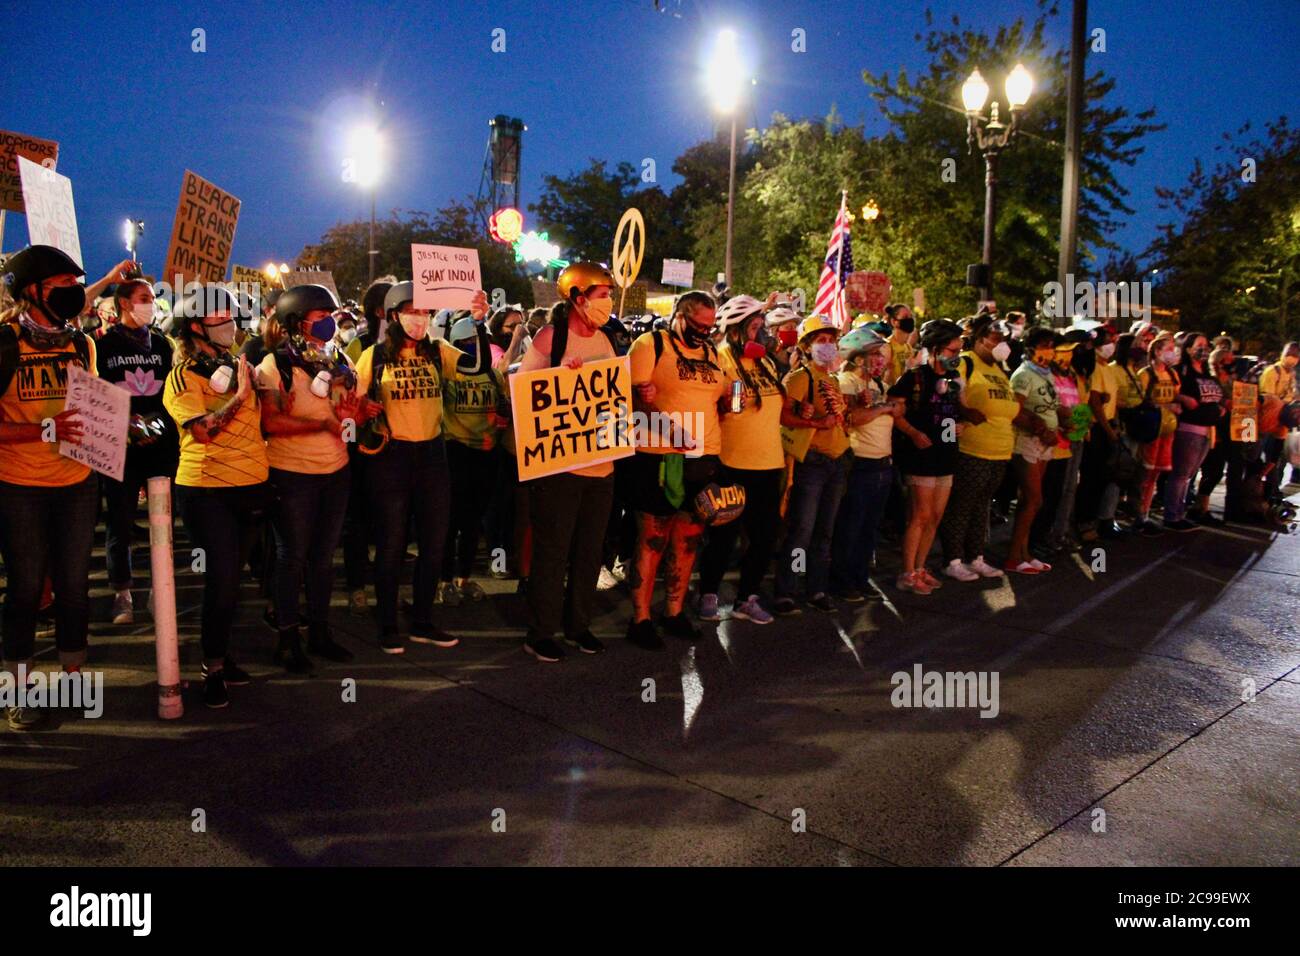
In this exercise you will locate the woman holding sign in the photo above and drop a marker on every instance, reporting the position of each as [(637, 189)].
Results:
[(47, 501), (407, 475)]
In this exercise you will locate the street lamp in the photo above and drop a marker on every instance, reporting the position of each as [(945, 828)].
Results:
[(992, 137), (724, 77), (365, 163)]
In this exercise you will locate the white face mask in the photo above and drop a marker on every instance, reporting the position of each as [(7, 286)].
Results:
[(347, 335), (142, 312), (1106, 351), (1017, 331), (1001, 352), (223, 335), (414, 324), (823, 353)]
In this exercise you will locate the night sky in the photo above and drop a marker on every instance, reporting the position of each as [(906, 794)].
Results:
[(263, 111)]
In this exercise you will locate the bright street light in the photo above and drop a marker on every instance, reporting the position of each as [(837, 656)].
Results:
[(974, 92), (365, 153), (724, 74), (1019, 85)]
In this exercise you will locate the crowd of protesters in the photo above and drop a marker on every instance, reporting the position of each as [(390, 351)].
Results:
[(292, 426)]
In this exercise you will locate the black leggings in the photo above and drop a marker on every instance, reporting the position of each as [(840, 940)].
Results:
[(761, 520), (473, 485)]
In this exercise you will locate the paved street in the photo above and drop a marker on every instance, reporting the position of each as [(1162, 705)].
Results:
[(1120, 691)]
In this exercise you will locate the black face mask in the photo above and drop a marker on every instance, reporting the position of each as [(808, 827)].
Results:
[(693, 337), (501, 340), (64, 303)]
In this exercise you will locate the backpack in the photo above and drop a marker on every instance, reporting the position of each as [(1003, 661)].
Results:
[(1142, 422), (9, 353)]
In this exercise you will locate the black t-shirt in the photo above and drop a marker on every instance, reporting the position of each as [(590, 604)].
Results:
[(142, 370), (933, 408), (1205, 388)]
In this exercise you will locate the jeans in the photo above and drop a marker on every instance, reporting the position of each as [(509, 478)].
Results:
[(307, 514), (568, 516), (761, 521), (815, 495), (409, 479), (1189, 452), (473, 484), (123, 499), (219, 522), (47, 530), (866, 495)]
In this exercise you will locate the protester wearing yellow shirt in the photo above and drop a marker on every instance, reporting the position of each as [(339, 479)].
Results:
[(310, 409), (752, 457), (1161, 383), (678, 385), (990, 406), (221, 480), (47, 501), (1094, 501), (901, 342), (408, 478)]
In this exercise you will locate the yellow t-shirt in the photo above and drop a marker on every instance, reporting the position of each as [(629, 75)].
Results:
[(1130, 387), (1164, 392), (900, 353), (466, 404), (987, 390), (39, 390), (236, 456), (689, 386), (1107, 380), (826, 398), (308, 453), (412, 390), (752, 439), (875, 439), (1277, 380)]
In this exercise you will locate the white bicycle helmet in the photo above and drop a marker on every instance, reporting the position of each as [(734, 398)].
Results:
[(738, 309), (781, 315)]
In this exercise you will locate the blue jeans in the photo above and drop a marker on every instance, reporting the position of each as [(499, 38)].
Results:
[(810, 523), (870, 482), (47, 531), (1189, 452), (307, 516)]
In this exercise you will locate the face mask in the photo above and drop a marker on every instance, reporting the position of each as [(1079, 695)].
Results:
[(754, 350), (597, 311), (1169, 356), (949, 363), (1044, 359), (787, 337), (323, 328), (1200, 354), (65, 302), (501, 340), (876, 365), (1106, 351), (347, 335), (142, 312), (223, 335), (823, 353), (1017, 331), (1001, 352), (415, 325), (694, 336), (907, 325)]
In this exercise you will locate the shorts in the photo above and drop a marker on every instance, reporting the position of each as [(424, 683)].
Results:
[(1032, 450), (928, 481), (1158, 455), (640, 475)]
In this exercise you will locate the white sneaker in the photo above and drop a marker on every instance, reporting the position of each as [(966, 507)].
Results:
[(606, 581), (619, 570), (123, 608), (984, 569), (959, 572)]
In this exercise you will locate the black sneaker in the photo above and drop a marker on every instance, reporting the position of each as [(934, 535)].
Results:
[(585, 642), (785, 607), (1182, 524), (680, 626), (232, 673), (851, 596), (1147, 528), (289, 653), (437, 637), (1110, 531), (24, 718), (545, 650), (822, 602), (644, 635), (320, 643), (391, 643), (215, 694), (1205, 518)]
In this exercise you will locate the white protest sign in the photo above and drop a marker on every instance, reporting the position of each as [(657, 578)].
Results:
[(445, 277), (679, 272), (51, 218), (105, 413)]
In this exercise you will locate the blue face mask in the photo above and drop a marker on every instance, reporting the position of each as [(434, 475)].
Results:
[(322, 329), (949, 362)]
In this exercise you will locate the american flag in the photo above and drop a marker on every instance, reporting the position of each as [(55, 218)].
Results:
[(836, 268)]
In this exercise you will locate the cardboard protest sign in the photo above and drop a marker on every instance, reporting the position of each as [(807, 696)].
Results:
[(570, 418), (202, 234), (312, 277), (867, 291), (679, 272), (42, 152), (1244, 423), (105, 412), (633, 300), (446, 277), (51, 218), (247, 277)]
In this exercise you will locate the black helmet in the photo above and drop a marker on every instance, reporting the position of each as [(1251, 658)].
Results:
[(294, 304), (36, 264), (938, 332), (205, 301), (400, 293)]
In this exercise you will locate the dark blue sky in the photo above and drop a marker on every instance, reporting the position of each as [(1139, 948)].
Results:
[(261, 113)]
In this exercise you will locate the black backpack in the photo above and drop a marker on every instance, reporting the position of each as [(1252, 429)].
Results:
[(9, 353)]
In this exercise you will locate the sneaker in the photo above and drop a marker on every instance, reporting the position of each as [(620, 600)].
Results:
[(912, 581), (606, 581), (231, 673), (708, 610), (822, 602), (448, 594), (123, 608), (1147, 528), (959, 572), (751, 611), (320, 643), (545, 650), (390, 642), (786, 607), (215, 694), (925, 575), (619, 570), (289, 653), (437, 637), (644, 635), (851, 596), (1182, 524), (585, 642), (358, 602), (680, 626), (1022, 567), (983, 568), (1111, 531), (24, 718), (1205, 518), (471, 591)]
